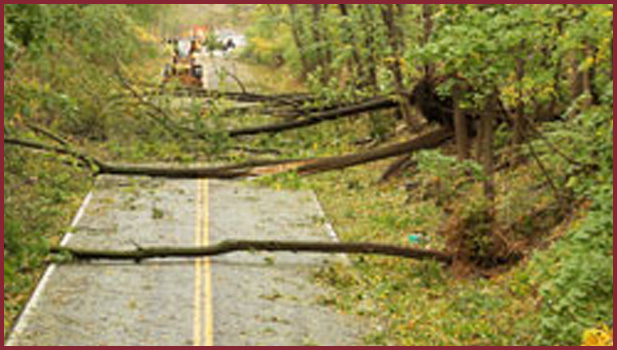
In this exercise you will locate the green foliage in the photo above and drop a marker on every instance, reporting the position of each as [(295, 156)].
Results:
[(447, 172), (60, 71), (578, 272), (66, 77), (29, 23), (10, 48)]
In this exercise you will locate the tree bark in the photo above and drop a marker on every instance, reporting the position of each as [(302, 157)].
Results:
[(350, 37), (396, 168), (427, 18), (282, 99), (395, 39), (102, 168), (461, 126), (227, 247), (296, 31), (368, 106), (428, 141), (320, 42), (369, 43), (82, 157), (251, 168), (587, 78), (519, 121), (488, 151)]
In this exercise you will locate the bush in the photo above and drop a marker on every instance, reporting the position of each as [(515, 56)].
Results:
[(578, 271)]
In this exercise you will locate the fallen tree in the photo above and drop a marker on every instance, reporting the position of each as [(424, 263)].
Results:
[(428, 141), (315, 114), (396, 168), (100, 167), (319, 117), (226, 247), (284, 111), (248, 97), (250, 168), (86, 159)]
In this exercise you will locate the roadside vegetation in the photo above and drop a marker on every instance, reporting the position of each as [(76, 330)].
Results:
[(547, 213), (497, 122)]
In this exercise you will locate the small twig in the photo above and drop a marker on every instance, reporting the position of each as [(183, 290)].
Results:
[(47, 133), (236, 79), (136, 245), (89, 160), (546, 174), (396, 168), (553, 148), (252, 150)]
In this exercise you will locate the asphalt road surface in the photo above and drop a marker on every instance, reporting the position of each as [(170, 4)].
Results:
[(237, 299)]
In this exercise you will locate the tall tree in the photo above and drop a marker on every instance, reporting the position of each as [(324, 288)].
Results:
[(487, 123), (461, 126), (396, 40), (369, 32), (350, 38), (298, 35), (320, 41)]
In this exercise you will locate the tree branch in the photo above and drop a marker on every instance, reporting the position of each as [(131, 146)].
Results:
[(231, 246), (254, 167), (47, 133), (367, 106), (85, 158)]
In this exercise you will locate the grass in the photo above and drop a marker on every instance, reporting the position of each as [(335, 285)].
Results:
[(40, 197), (419, 303), (423, 303)]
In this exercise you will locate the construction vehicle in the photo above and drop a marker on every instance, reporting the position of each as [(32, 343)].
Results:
[(184, 67)]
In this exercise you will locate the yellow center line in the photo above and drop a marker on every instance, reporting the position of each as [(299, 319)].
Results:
[(203, 320), (197, 316), (209, 314)]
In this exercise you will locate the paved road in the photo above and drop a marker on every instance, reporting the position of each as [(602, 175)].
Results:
[(239, 299)]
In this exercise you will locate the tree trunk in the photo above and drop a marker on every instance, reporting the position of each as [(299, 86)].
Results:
[(227, 247), (460, 125), (368, 106), (397, 167), (395, 39), (350, 38), (427, 17), (488, 152), (519, 122), (320, 42), (587, 79), (369, 43), (250, 168), (576, 80), (611, 52), (296, 31), (428, 141)]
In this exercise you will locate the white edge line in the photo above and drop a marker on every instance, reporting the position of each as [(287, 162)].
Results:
[(22, 321), (328, 226)]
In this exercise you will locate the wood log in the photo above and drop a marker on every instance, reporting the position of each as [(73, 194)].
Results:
[(231, 246), (284, 98), (430, 140), (47, 133), (100, 167), (396, 168), (254, 167), (368, 106)]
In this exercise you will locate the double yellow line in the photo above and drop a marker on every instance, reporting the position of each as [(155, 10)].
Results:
[(203, 326)]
